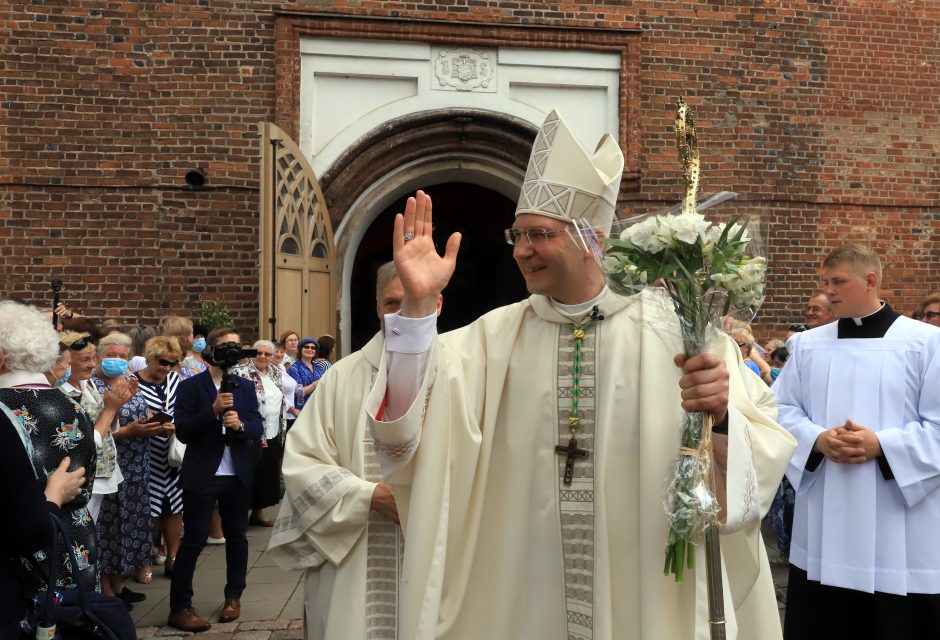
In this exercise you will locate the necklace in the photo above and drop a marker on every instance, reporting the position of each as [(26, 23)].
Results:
[(571, 451)]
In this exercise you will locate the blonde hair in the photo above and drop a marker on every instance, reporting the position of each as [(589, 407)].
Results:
[(179, 327), (163, 346), (745, 335), (68, 338), (862, 258)]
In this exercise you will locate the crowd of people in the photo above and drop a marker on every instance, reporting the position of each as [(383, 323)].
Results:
[(502, 480), (98, 413)]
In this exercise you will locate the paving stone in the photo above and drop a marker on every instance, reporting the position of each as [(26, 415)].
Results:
[(288, 634)]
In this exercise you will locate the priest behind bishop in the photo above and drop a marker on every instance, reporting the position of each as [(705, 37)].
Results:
[(338, 520), (862, 398), (528, 450)]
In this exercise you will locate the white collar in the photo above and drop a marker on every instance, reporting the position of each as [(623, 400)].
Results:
[(858, 321), (574, 311), (19, 378)]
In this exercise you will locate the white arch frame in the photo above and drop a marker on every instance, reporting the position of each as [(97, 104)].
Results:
[(425, 172)]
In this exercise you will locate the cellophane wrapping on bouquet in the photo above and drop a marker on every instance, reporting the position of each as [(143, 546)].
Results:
[(711, 272)]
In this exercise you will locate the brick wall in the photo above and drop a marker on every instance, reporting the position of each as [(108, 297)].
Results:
[(822, 115)]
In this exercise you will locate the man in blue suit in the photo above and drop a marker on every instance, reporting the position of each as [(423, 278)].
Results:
[(217, 429)]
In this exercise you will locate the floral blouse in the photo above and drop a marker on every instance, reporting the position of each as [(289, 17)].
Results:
[(57, 428)]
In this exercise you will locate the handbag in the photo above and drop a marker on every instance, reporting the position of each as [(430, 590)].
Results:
[(175, 451), (76, 613)]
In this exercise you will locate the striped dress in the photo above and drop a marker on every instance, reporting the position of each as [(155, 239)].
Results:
[(166, 497)]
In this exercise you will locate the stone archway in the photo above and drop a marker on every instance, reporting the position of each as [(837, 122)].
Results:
[(467, 146)]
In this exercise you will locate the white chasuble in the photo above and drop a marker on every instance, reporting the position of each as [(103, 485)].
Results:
[(499, 548), (351, 556), (853, 527)]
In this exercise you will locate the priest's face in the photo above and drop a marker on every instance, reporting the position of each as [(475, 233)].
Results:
[(553, 265), (388, 300), (851, 292)]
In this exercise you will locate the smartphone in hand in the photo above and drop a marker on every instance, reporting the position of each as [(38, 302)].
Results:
[(161, 417)]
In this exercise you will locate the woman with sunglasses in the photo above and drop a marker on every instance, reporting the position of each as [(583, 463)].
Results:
[(266, 376), (102, 410), (124, 523), (305, 371), (158, 384)]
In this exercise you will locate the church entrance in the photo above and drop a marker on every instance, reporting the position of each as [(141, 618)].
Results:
[(486, 276)]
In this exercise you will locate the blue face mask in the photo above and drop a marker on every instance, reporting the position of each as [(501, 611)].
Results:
[(199, 345), (64, 378), (113, 367), (774, 372)]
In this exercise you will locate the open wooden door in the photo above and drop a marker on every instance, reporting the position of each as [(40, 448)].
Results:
[(298, 284)]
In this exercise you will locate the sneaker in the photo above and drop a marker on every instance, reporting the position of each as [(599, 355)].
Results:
[(211, 540)]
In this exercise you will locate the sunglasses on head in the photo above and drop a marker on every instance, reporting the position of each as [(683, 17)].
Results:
[(80, 344), (168, 363)]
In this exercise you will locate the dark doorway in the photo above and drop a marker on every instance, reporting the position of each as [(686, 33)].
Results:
[(486, 276)]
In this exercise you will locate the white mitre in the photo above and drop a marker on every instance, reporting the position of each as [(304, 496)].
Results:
[(564, 182)]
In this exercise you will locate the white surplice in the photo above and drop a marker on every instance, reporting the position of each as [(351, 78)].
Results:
[(499, 548), (351, 556), (853, 528)]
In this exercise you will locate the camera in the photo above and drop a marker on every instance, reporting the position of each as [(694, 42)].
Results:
[(227, 354)]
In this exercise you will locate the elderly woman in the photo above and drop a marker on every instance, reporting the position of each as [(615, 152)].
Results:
[(57, 429), (158, 383), (101, 409), (305, 371), (266, 376), (32, 505), (125, 516), (290, 340)]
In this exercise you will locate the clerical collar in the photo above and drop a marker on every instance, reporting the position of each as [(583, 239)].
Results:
[(22, 378), (874, 325), (577, 311)]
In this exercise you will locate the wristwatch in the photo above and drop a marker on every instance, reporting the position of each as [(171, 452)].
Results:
[(241, 426)]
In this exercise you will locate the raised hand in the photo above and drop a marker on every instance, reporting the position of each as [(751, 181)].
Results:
[(423, 273)]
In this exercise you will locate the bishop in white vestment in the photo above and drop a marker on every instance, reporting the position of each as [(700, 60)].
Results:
[(864, 557), (516, 530)]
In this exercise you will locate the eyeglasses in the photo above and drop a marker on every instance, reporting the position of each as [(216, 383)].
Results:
[(930, 315), (310, 346), (168, 363), (796, 326), (815, 309), (742, 344), (264, 354), (534, 236), (80, 344)]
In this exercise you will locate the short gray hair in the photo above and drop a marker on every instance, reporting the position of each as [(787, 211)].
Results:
[(386, 273), (119, 339), (264, 343), (28, 341)]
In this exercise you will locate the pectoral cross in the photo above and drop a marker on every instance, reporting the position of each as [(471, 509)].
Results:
[(573, 453)]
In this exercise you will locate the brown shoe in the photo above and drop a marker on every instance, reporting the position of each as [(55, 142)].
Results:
[(230, 610), (259, 520), (187, 620)]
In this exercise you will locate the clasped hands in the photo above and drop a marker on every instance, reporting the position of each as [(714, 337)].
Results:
[(848, 443)]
